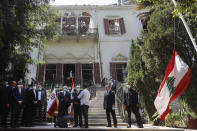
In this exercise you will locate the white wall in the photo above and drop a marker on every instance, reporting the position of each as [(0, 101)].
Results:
[(112, 45), (71, 52), (86, 50), (32, 67), (110, 50), (132, 25)]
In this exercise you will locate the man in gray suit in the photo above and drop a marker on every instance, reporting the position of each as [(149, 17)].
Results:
[(109, 106)]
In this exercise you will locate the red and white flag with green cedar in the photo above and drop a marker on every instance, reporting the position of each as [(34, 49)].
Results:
[(52, 103), (177, 78)]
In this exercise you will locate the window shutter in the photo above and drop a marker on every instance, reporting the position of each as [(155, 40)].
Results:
[(41, 73), (59, 73), (122, 26), (106, 26), (97, 73), (78, 73)]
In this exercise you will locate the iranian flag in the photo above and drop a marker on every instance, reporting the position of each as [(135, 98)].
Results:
[(177, 78), (52, 103), (70, 109)]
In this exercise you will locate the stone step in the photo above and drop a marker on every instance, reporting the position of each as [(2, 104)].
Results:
[(102, 120), (99, 114), (101, 117), (104, 124), (99, 111), (93, 128)]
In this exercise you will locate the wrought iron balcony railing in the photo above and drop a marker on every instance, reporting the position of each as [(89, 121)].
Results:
[(82, 31)]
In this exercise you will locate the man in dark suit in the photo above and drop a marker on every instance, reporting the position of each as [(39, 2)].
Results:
[(5, 102), (31, 98), (131, 103), (109, 106), (17, 104), (64, 103), (113, 85), (76, 106), (41, 103)]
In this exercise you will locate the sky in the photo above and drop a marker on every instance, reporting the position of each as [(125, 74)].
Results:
[(82, 2)]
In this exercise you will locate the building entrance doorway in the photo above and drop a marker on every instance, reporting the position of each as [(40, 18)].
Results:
[(87, 74), (68, 70)]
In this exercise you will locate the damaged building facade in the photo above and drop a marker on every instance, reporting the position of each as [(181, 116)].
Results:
[(94, 44)]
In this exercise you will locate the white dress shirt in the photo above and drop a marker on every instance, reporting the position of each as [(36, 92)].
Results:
[(39, 95), (84, 97), (19, 90), (34, 93)]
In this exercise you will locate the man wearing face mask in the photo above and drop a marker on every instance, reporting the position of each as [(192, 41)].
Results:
[(84, 97), (17, 103), (41, 102), (132, 104), (109, 106), (5, 102), (76, 106), (64, 103), (31, 97)]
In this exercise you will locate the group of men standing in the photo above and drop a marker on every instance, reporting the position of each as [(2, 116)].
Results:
[(15, 99), (22, 103), (131, 104), (80, 100)]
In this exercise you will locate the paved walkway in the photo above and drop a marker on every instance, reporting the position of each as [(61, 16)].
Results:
[(147, 127)]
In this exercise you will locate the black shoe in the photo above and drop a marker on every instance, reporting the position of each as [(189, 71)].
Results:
[(128, 126), (13, 126), (84, 127), (4, 126), (141, 126), (75, 125), (108, 126), (115, 126)]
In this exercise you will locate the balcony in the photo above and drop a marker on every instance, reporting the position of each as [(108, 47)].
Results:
[(80, 32)]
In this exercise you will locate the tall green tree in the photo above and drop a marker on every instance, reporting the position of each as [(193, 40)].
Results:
[(142, 78), (24, 25), (184, 6), (151, 53)]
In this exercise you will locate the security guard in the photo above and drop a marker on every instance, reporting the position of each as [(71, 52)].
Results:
[(76, 106), (109, 106), (131, 103)]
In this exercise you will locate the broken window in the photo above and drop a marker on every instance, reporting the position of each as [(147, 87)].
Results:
[(114, 26), (69, 23), (83, 23)]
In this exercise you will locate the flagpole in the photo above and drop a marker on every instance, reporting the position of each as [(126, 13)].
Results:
[(186, 27)]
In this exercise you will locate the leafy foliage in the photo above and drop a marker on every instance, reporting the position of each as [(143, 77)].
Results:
[(177, 116), (151, 53), (24, 24), (185, 6)]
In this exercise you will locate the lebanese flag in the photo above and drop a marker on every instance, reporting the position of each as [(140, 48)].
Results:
[(52, 103), (177, 78)]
